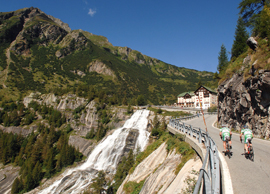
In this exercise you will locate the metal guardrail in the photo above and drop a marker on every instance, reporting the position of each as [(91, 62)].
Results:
[(210, 171), (194, 116)]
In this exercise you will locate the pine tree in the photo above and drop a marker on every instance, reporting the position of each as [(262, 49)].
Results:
[(19, 159), (130, 161), (36, 152), (241, 35), (222, 59), (17, 186), (99, 183), (250, 10), (50, 163), (140, 100), (29, 182), (29, 145), (263, 27), (129, 109), (37, 173), (156, 122), (163, 126)]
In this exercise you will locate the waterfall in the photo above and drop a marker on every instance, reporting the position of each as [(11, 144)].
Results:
[(105, 156)]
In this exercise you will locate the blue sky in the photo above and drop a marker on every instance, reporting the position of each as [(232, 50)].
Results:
[(179, 32)]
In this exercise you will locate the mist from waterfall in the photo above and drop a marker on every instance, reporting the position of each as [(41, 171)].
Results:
[(105, 156)]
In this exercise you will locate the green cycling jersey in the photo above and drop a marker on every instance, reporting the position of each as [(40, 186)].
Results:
[(247, 134), (226, 132)]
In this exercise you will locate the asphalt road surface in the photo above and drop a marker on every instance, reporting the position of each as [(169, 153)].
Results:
[(247, 176)]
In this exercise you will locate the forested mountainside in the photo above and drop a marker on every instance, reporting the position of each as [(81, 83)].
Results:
[(40, 53)]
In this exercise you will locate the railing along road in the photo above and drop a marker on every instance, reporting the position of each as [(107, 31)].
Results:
[(210, 171)]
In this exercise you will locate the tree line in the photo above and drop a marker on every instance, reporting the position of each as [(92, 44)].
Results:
[(16, 114), (253, 15), (40, 155)]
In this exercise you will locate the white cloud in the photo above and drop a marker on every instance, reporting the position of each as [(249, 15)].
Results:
[(92, 12)]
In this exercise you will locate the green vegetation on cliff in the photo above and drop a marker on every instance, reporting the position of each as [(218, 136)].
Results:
[(255, 14)]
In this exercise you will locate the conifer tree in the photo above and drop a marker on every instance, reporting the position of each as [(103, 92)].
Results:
[(36, 152), (163, 126), (140, 100), (130, 161), (250, 10), (99, 183), (156, 122), (37, 174), (263, 27), (29, 182), (19, 159), (17, 186), (222, 59), (50, 163), (241, 35)]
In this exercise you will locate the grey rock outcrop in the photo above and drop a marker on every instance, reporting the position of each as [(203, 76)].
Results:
[(124, 50), (85, 146), (17, 130), (101, 68), (247, 101), (252, 43), (74, 40), (158, 171), (88, 118), (71, 102), (65, 26)]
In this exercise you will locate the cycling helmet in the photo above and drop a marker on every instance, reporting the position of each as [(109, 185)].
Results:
[(223, 125), (245, 126)]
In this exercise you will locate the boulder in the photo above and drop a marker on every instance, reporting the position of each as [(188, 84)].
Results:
[(252, 43)]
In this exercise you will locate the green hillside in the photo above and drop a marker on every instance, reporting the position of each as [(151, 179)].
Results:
[(38, 54)]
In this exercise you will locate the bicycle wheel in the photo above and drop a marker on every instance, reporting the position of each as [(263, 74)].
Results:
[(228, 149), (252, 155)]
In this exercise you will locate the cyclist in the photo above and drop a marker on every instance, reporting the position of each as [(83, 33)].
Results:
[(248, 134), (225, 133)]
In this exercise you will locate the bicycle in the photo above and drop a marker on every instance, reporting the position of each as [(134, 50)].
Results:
[(250, 152), (228, 148)]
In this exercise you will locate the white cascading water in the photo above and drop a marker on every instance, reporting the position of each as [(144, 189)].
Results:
[(105, 156)]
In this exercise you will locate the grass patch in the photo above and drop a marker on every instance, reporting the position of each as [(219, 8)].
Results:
[(261, 56), (169, 113), (133, 187), (183, 148), (189, 155)]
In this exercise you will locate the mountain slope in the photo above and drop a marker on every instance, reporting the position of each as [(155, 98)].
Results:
[(41, 53), (243, 92)]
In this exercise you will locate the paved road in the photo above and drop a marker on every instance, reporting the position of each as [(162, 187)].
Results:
[(247, 176)]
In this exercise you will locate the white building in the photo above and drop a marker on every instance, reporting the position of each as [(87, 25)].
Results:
[(203, 94), (186, 99)]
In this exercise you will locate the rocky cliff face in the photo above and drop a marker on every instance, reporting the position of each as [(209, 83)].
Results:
[(86, 121), (246, 101), (100, 68), (158, 172)]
